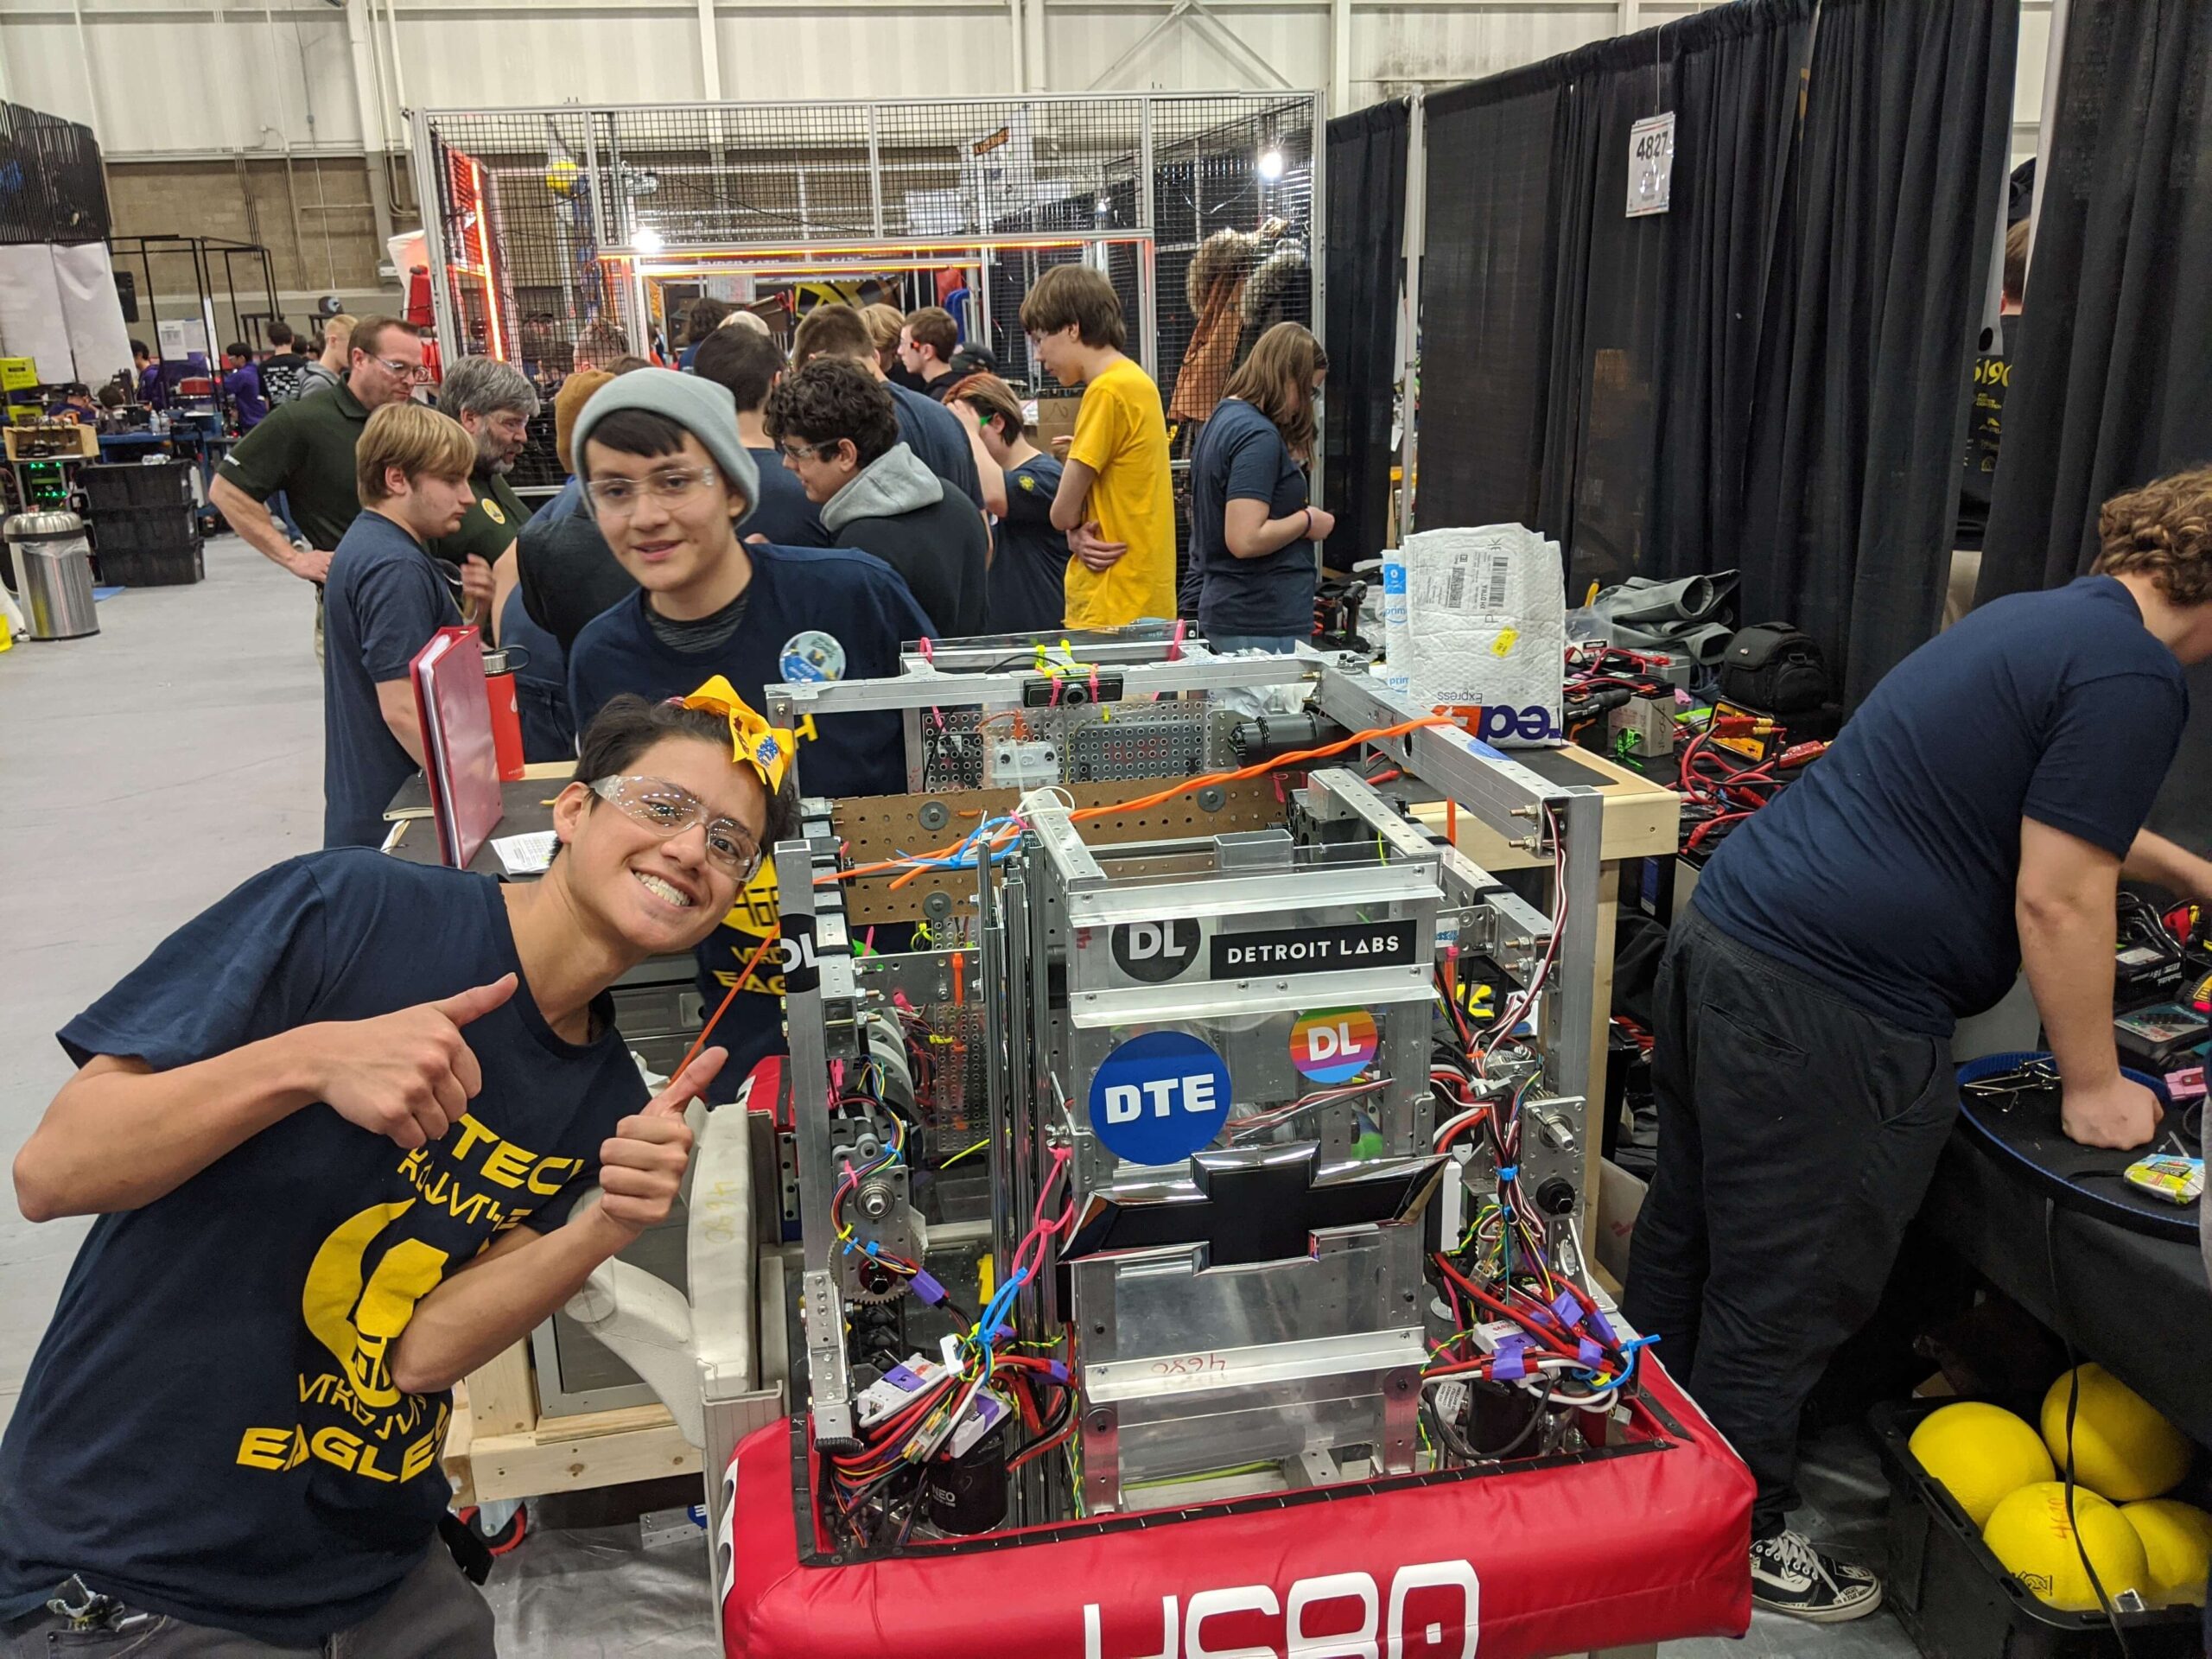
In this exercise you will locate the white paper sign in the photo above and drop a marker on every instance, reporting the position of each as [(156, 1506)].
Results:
[(1650, 164)]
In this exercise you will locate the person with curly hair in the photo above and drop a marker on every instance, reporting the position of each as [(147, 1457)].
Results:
[(838, 430), (1976, 816)]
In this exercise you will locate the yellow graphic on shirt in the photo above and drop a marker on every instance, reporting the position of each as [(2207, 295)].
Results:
[(492, 510), (358, 1323), (754, 917), (361, 1289)]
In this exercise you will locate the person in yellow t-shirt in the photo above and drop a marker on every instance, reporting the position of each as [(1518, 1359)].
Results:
[(1114, 502)]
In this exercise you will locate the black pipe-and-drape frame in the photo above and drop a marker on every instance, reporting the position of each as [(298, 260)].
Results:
[(2112, 378), (1366, 238), (1772, 375)]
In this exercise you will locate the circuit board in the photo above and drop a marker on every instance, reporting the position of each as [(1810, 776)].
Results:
[(968, 748)]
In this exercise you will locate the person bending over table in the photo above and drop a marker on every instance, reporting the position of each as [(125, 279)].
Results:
[(1977, 811), (671, 483), (338, 1131)]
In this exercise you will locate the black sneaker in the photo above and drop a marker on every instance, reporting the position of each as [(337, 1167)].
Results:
[(1789, 1576)]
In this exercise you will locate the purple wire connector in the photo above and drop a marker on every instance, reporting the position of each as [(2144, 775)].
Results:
[(1567, 1310), (1510, 1362), (1592, 1355), (1601, 1330), (928, 1289)]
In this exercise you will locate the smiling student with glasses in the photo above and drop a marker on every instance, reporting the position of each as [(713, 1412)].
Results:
[(339, 1134), (672, 486)]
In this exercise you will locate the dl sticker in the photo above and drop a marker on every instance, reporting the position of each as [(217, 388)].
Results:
[(1335, 1046), (1155, 951), (1160, 1097)]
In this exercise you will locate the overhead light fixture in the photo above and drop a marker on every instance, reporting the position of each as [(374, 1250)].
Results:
[(1105, 202), (647, 240), (1271, 164)]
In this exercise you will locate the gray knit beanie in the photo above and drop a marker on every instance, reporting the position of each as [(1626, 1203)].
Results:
[(702, 408)]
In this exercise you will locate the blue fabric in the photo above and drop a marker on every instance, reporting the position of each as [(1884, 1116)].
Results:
[(242, 384), (569, 502), (1028, 580), (383, 602), (1281, 644), (1241, 457), (862, 605), (540, 685), (1888, 871), (185, 1439), (783, 514), (934, 433)]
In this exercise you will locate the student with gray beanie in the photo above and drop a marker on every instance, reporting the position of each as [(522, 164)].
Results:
[(670, 484)]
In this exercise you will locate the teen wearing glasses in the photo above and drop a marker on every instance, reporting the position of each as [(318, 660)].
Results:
[(339, 1131), (671, 486)]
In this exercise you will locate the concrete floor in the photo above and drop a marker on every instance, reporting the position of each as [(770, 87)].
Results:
[(144, 771), (147, 771)]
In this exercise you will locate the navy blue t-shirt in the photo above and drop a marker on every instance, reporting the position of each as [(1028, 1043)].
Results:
[(1241, 457), (383, 602), (934, 433), (783, 514), (1028, 584), (860, 606), (1888, 871), (209, 1429)]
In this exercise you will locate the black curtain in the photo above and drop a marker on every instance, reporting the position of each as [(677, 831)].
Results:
[(2111, 384), (1366, 238), (1487, 297), (1874, 315), (1770, 375)]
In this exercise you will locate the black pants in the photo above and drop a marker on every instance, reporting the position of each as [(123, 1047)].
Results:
[(1797, 1135)]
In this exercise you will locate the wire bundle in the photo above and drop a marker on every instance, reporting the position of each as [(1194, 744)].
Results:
[(1038, 1387)]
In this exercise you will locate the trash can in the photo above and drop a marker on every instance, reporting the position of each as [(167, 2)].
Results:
[(54, 574)]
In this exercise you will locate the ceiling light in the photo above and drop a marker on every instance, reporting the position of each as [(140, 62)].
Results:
[(1271, 164), (647, 241)]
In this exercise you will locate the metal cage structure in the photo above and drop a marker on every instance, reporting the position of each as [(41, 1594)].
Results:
[(541, 222)]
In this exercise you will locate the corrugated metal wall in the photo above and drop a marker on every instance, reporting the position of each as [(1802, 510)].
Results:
[(190, 79)]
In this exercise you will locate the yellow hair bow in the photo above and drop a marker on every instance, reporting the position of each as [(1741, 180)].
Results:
[(766, 748)]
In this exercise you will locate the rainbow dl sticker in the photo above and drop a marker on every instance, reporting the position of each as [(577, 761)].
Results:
[(1334, 1045)]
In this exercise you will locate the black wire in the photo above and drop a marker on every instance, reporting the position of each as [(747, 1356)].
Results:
[(2072, 1399)]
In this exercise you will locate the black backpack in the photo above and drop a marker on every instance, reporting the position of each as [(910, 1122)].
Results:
[(1776, 668)]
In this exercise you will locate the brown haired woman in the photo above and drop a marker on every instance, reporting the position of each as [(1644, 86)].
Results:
[(1251, 527)]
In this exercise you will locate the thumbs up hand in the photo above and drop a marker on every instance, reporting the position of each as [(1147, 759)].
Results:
[(641, 1165), (407, 1076)]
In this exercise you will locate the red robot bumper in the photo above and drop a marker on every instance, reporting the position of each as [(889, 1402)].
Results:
[(1644, 1541)]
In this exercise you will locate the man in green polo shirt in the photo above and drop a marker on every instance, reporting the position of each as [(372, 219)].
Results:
[(306, 449), (493, 402)]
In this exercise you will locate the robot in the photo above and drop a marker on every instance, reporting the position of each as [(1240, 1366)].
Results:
[(1180, 1240)]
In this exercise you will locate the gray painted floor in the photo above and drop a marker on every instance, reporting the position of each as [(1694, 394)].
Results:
[(143, 772)]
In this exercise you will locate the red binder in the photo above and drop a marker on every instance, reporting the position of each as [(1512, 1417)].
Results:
[(461, 757)]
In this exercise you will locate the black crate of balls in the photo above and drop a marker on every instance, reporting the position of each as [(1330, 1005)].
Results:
[(1955, 1599)]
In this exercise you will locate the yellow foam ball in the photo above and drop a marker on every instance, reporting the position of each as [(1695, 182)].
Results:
[(2177, 1543), (561, 176), (2123, 1450), (2029, 1533), (1980, 1454)]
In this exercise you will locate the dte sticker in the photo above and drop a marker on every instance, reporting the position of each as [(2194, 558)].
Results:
[(1335, 1046), (1158, 1098)]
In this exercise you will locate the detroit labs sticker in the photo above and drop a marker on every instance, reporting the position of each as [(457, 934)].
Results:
[(1158, 1098), (811, 657), (1155, 952), (1334, 1045)]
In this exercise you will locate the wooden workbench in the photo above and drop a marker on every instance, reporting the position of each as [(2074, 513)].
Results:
[(1642, 819)]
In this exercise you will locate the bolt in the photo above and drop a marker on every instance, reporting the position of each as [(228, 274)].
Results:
[(1099, 1329), (875, 1204), (1100, 1422)]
